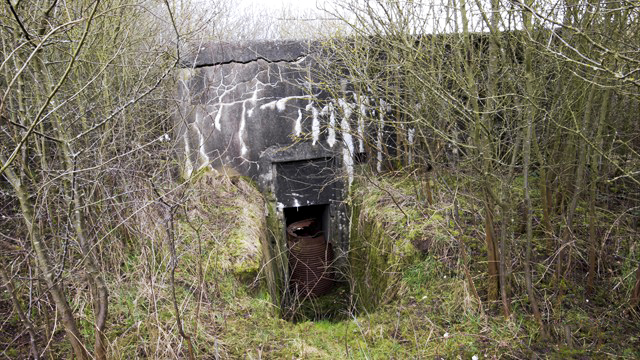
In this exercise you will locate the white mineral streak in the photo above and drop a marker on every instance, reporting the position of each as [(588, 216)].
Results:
[(184, 76), (331, 139), (410, 138), (241, 131), (347, 151), (346, 108), (254, 99), (203, 157), (221, 105), (363, 114), (270, 105), (188, 166), (216, 120), (298, 127), (379, 139), (281, 104), (315, 126)]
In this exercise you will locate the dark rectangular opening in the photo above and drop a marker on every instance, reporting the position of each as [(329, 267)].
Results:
[(318, 212), (305, 182)]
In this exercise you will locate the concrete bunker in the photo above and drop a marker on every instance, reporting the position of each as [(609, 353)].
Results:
[(251, 108)]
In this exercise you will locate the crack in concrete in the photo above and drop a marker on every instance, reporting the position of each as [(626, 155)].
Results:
[(190, 65)]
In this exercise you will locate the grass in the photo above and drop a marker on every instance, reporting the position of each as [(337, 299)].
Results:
[(423, 308)]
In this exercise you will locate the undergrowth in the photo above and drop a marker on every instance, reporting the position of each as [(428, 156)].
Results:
[(423, 307)]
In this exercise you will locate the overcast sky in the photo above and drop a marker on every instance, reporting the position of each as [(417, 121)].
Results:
[(296, 4), (299, 18)]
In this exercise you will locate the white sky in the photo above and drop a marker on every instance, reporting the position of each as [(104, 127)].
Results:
[(298, 18), (435, 11), (296, 4)]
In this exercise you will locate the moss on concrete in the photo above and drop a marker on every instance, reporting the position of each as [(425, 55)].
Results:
[(275, 264)]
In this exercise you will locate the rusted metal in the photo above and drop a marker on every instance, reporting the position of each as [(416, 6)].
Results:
[(310, 258)]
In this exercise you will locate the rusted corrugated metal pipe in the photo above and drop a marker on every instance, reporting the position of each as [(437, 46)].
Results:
[(310, 257)]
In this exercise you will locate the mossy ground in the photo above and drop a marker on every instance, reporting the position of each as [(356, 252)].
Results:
[(404, 260)]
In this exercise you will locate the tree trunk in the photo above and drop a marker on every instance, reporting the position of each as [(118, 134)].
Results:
[(17, 305), (97, 285), (494, 275), (483, 151), (564, 257), (530, 114), (44, 263), (593, 192)]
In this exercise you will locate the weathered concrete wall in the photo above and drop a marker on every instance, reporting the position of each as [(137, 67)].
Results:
[(241, 100), (251, 107)]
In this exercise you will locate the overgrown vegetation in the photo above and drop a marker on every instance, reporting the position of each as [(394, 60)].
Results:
[(84, 150), (520, 114), (432, 277), (428, 309), (503, 224)]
